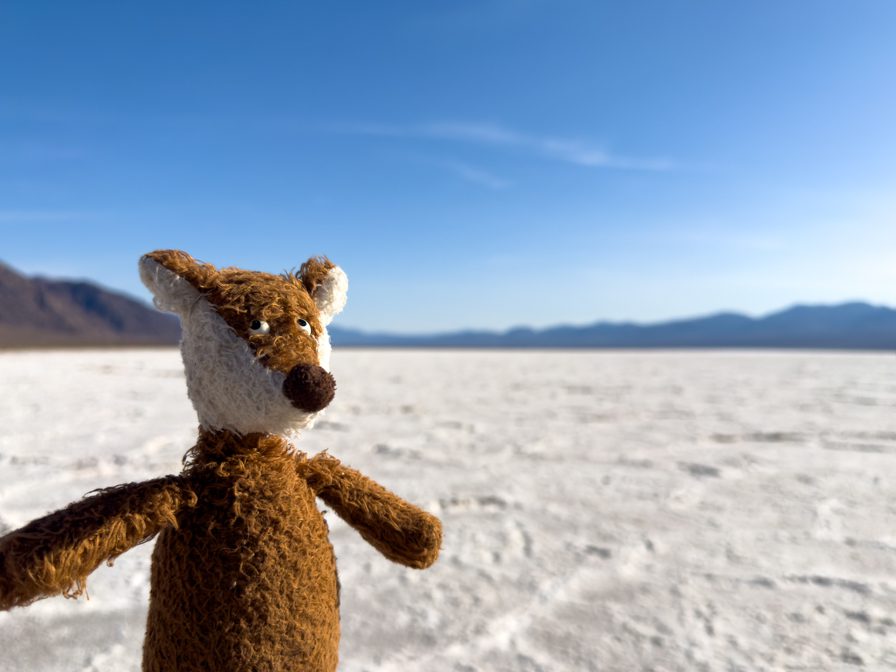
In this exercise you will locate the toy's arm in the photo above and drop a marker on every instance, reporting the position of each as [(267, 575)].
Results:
[(397, 529), (54, 554)]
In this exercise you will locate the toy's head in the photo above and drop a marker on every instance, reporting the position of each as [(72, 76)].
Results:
[(255, 345)]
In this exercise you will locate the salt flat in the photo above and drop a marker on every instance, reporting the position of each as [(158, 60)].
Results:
[(602, 510)]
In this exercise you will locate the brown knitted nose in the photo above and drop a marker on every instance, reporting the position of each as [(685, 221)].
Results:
[(309, 387)]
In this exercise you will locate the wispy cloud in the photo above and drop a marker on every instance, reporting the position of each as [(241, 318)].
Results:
[(476, 175), (33, 150), (40, 216), (567, 150)]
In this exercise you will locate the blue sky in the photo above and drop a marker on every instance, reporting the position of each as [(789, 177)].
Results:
[(470, 164)]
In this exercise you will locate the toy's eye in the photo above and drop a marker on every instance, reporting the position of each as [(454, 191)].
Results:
[(303, 325), (259, 327)]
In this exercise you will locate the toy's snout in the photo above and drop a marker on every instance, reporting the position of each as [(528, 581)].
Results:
[(309, 387)]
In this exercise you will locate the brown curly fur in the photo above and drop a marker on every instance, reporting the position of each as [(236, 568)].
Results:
[(243, 296), (313, 271), (243, 573), (398, 530), (54, 554), (248, 581)]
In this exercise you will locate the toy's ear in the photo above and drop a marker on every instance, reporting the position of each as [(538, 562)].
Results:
[(175, 279), (327, 284)]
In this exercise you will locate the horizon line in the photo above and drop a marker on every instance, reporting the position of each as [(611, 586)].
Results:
[(502, 330), (615, 323)]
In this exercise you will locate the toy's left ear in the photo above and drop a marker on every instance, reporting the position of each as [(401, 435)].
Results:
[(176, 279), (328, 286)]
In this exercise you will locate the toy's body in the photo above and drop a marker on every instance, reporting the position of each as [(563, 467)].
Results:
[(255, 523), (243, 574)]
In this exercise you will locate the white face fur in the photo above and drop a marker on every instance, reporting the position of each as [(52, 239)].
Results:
[(230, 389)]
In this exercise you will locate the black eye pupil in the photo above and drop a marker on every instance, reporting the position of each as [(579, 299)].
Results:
[(256, 324), (303, 323)]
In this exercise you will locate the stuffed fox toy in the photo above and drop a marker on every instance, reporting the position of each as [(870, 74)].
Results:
[(243, 574)]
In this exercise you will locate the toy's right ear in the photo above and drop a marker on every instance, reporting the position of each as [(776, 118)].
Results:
[(175, 279)]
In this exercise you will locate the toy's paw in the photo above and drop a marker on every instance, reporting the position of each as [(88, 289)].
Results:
[(422, 543)]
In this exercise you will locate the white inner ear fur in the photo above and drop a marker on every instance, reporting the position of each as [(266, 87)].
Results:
[(170, 292), (331, 294), (230, 389)]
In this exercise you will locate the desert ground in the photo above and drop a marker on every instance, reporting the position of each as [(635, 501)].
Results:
[(607, 511)]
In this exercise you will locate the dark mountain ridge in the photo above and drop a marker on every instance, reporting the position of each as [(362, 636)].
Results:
[(854, 325), (38, 312)]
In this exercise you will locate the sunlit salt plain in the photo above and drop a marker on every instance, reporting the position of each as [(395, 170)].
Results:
[(602, 510)]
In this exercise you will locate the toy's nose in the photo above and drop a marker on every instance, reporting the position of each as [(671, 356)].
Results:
[(309, 387)]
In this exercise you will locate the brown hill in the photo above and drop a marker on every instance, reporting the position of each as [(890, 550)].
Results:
[(37, 312)]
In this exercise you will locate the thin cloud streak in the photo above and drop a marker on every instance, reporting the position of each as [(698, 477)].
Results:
[(567, 150), (477, 175), (40, 216)]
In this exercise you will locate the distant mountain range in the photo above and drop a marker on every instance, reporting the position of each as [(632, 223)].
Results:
[(36, 312), (855, 325)]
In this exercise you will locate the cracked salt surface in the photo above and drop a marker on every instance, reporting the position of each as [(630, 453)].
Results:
[(602, 510)]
